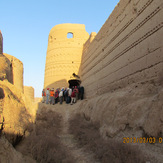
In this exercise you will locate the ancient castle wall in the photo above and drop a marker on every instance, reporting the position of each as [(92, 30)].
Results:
[(5, 69), (127, 49), (64, 54), (1, 43), (16, 67), (29, 92)]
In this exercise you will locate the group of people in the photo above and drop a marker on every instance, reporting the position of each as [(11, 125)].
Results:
[(69, 95)]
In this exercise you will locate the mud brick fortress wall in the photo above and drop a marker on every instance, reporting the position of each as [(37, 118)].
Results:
[(29, 92), (11, 67), (12, 70), (17, 71), (127, 49), (64, 54)]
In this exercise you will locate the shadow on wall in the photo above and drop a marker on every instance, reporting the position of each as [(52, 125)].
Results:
[(64, 83), (58, 84), (44, 133), (15, 112), (2, 95)]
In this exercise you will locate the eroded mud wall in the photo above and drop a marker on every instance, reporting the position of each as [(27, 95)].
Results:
[(64, 54), (29, 92), (128, 48), (17, 71), (5, 69)]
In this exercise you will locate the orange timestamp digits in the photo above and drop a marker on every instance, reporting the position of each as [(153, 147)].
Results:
[(150, 140)]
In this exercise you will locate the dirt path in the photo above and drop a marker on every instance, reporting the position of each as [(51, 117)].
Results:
[(80, 155), (70, 144), (68, 140)]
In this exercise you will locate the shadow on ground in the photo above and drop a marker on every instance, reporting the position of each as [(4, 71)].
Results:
[(43, 143)]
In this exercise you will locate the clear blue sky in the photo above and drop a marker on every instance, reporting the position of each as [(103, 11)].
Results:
[(25, 25)]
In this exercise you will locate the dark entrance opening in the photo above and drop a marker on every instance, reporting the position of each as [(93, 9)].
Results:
[(74, 82)]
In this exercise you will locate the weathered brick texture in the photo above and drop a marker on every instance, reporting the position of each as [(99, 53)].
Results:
[(17, 71), (29, 92), (127, 49), (64, 54)]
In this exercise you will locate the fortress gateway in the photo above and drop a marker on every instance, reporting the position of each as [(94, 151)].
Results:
[(65, 46)]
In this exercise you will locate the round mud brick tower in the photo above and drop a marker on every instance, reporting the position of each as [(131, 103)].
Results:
[(65, 46)]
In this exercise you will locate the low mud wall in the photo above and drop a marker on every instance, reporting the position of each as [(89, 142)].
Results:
[(135, 111)]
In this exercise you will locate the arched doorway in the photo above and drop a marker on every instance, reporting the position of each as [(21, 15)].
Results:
[(74, 82)]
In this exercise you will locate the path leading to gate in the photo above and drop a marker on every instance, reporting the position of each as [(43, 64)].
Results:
[(71, 149), (67, 139), (80, 154)]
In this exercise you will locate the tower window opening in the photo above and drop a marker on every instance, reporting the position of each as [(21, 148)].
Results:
[(70, 35)]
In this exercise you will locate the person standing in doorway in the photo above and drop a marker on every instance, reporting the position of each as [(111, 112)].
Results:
[(76, 93)]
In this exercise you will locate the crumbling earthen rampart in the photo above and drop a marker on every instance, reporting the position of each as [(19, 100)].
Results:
[(16, 67), (29, 92), (5, 69), (64, 53), (128, 48), (16, 110)]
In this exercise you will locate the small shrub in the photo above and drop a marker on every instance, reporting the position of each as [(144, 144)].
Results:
[(88, 136), (44, 144)]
